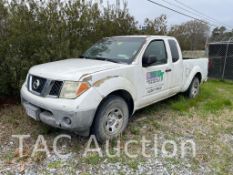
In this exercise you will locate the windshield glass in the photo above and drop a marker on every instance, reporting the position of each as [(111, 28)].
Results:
[(115, 49)]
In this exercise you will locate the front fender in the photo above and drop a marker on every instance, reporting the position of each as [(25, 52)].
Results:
[(110, 84)]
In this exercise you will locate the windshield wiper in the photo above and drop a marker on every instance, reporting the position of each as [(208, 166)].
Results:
[(106, 59), (99, 58)]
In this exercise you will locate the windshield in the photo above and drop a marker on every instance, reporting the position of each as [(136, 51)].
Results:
[(115, 49)]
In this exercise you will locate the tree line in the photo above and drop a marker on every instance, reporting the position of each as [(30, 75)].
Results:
[(34, 32)]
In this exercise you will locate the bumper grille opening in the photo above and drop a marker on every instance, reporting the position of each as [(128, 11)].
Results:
[(56, 88), (44, 87)]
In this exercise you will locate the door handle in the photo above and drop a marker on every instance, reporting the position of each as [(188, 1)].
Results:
[(168, 70)]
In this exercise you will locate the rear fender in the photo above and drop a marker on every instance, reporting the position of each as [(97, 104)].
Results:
[(189, 75)]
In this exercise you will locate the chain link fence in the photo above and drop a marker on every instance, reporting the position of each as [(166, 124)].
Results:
[(221, 59)]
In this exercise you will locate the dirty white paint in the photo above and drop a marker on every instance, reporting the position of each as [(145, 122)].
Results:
[(132, 78)]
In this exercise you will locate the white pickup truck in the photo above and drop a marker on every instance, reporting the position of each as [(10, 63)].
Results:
[(98, 92)]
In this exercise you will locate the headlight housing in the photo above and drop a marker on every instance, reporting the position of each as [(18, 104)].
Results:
[(73, 89)]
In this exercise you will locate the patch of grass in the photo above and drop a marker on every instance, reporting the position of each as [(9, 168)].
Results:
[(224, 164), (173, 160), (8, 157), (214, 96), (55, 164), (180, 104), (39, 157), (194, 164), (133, 164), (93, 159), (134, 130), (216, 105), (229, 130), (114, 159), (155, 124), (85, 174)]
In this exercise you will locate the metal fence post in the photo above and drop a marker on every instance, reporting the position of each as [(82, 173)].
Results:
[(225, 59)]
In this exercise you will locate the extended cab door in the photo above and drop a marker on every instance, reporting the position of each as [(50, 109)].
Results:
[(156, 77), (176, 66)]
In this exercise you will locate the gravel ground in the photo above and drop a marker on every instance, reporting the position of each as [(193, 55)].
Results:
[(73, 166), (76, 163), (206, 120)]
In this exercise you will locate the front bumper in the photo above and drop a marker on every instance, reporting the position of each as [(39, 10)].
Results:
[(66, 114)]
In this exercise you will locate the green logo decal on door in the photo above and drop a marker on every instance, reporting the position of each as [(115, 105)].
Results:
[(154, 77)]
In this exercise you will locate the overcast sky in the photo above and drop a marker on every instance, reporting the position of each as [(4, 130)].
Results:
[(221, 10)]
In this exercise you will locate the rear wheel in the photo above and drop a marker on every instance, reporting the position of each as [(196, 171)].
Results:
[(194, 88), (111, 119)]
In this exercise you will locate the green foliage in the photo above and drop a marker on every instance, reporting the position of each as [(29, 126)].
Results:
[(34, 32), (156, 26), (221, 34), (192, 35)]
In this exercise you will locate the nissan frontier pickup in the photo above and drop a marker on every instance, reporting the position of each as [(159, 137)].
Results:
[(98, 92)]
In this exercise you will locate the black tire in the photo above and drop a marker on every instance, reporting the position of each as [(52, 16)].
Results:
[(111, 118), (194, 88)]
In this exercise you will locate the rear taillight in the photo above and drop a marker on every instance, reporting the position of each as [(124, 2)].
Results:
[(210, 64)]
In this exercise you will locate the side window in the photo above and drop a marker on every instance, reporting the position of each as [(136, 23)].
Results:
[(174, 50), (157, 49)]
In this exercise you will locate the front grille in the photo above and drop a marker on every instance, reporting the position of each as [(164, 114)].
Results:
[(37, 84), (44, 87), (56, 88)]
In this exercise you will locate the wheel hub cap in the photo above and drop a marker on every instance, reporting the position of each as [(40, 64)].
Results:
[(114, 121), (195, 88)]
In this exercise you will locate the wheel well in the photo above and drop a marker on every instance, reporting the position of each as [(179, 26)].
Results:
[(127, 97), (198, 75)]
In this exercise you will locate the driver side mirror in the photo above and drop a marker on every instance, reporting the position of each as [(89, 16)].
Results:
[(148, 60)]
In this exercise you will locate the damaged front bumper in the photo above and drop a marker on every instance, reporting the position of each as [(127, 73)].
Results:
[(61, 113)]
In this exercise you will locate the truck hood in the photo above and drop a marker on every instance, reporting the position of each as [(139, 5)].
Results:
[(71, 69)]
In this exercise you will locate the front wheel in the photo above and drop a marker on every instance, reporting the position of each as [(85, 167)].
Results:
[(111, 118), (194, 88)]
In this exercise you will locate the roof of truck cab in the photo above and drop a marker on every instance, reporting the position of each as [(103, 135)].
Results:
[(147, 36)]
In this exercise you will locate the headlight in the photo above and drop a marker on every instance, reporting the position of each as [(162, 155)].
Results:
[(73, 89)]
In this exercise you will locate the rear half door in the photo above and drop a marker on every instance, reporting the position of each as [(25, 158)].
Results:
[(177, 67)]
